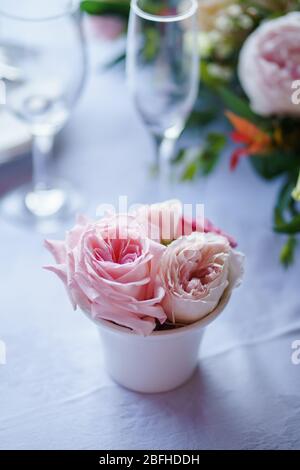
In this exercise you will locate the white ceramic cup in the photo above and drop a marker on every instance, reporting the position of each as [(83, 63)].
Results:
[(156, 363)]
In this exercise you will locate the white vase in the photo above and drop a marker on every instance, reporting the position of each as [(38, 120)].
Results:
[(156, 363)]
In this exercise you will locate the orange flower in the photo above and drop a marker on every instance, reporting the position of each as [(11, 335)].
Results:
[(254, 139)]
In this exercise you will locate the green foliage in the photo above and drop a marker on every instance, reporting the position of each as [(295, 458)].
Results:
[(191, 170), (151, 46), (220, 90), (210, 80), (204, 160), (274, 164), (287, 254), (291, 227), (287, 221), (106, 7), (239, 106), (286, 214), (215, 143), (274, 8), (201, 118), (179, 157), (117, 7)]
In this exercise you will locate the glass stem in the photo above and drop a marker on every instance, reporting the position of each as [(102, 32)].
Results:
[(157, 141), (165, 150), (41, 154), (43, 200)]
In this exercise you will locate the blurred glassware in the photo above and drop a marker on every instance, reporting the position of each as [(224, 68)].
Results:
[(163, 68), (43, 44), (15, 140)]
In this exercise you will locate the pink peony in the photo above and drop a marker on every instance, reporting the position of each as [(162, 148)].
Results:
[(269, 63), (110, 268)]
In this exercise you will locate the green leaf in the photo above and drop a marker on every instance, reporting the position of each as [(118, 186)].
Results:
[(179, 156), (283, 202), (291, 227), (205, 159), (296, 190), (201, 118), (287, 254), (238, 105), (210, 155), (216, 141), (285, 208), (106, 7), (190, 171), (206, 77), (151, 45), (274, 164)]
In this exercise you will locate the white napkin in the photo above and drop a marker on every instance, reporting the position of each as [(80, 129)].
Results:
[(14, 137)]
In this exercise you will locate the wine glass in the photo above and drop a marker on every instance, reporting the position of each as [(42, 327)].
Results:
[(49, 59), (163, 68)]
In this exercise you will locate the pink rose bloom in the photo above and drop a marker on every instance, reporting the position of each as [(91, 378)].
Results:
[(195, 271), (107, 27), (110, 269), (269, 62), (209, 227), (161, 220), (166, 222)]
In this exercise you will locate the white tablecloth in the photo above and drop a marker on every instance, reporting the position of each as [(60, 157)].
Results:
[(54, 391)]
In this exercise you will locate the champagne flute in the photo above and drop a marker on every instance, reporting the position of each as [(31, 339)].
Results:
[(163, 68), (51, 65)]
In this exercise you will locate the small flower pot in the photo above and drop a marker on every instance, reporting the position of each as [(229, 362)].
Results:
[(157, 363)]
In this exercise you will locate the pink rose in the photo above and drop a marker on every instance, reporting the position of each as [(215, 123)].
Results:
[(167, 221), (269, 62), (161, 220), (107, 27), (209, 227), (195, 270), (110, 268)]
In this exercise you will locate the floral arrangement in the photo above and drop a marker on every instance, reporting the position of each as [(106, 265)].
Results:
[(250, 62), (150, 269)]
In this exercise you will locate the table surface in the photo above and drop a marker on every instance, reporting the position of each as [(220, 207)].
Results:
[(54, 391)]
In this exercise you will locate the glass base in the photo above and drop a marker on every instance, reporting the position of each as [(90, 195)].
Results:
[(44, 209)]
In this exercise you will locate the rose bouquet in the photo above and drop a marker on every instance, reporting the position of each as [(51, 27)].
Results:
[(147, 273), (250, 63)]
